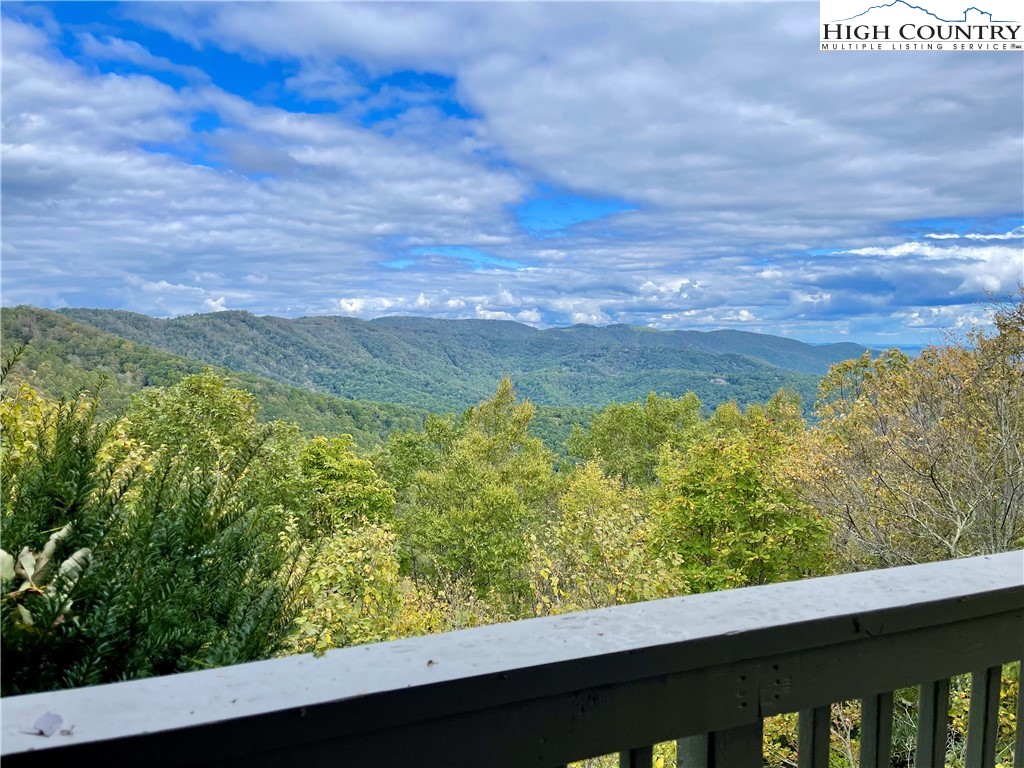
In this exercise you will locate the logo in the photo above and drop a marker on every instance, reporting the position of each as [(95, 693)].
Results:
[(934, 25)]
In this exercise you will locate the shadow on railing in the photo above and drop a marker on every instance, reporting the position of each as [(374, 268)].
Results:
[(704, 669)]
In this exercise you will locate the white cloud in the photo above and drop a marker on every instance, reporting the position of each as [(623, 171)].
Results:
[(743, 316), (943, 252), (351, 306), (811, 298), (946, 319), (324, 81), (666, 287), (215, 305), (489, 314), (505, 297), (116, 49), (590, 318), (162, 286), (989, 283), (302, 208), (1013, 234)]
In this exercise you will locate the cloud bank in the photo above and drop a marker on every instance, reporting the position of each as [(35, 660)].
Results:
[(671, 164)]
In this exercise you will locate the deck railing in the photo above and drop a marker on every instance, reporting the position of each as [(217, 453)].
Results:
[(704, 669)]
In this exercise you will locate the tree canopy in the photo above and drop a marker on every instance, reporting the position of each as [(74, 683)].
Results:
[(923, 459), (183, 529)]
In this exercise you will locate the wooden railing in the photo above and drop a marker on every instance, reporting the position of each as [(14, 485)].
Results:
[(705, 669)]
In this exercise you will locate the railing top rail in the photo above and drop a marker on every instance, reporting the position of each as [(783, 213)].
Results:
[(539, 657)]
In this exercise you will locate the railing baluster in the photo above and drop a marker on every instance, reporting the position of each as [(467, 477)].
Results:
[(1018, 742), (731, 748), (641, 757), (932, 725), (983, 721), (694, 751), (812, 743), (876, 731), (739, 747)]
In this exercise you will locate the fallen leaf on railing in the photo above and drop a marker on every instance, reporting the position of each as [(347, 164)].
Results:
[(46, 724)]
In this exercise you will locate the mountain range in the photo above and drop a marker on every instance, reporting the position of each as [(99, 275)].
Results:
[(452, 364), (342, 374)]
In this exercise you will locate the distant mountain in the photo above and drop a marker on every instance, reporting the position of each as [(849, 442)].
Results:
[(448, 365), (63, 356)]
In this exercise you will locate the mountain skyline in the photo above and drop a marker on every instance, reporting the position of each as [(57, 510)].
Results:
[(452, 364), (369, 378), (666, 165), (915, 7)]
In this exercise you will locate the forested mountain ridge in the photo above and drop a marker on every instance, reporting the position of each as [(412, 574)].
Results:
[(63, 356), (447, 365)]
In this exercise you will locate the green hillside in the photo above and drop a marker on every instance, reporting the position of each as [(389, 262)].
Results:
[(63, 356), (447, 365)]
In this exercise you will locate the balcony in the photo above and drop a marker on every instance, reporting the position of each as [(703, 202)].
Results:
[(704, 669)]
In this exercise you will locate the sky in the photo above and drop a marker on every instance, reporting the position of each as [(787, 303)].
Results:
[(669, 164)]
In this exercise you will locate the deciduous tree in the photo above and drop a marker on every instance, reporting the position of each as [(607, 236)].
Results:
[(923, 459), (730, 511), (466, 515), (628, 437)]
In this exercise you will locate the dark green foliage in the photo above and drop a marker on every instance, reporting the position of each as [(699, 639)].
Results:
[(184, 564), (57, 477), (554, 425), (447, 365), (190, 579)]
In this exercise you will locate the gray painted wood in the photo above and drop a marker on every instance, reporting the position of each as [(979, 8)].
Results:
[(548, 691), (876, 730), (932, 725), (641, 757), (693, 751), (738, 747), (983, 719), (813, 739), (730, 748)]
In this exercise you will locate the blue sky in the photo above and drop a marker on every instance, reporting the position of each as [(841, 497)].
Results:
[(676, 165)]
